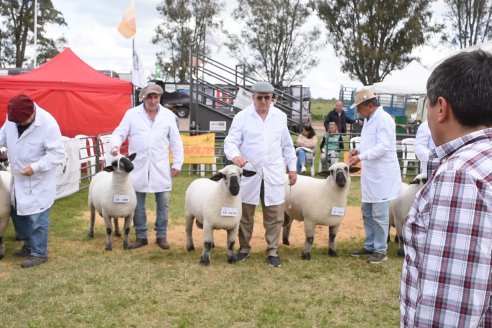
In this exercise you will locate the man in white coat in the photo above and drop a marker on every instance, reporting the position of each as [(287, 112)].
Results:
[(259, 138), (34, 146), (381, 178), (423, 145), (152, 132)]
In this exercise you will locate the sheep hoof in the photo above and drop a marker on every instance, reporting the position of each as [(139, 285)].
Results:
[(397, 239), (332, 252), (117, 234), (1, 256), (285, 241), (205, 261), (401, 253), (306, 256), (108, 248), (126, 245), (232, 259), (213, 245), (90, 234), (190, 248)]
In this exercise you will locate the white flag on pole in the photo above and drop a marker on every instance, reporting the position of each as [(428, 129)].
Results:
[(138, 74)]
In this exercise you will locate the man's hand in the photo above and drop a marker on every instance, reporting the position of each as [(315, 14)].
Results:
[(174, 172), (239, 161), (292, 178), (115, 150), (27, 171), (354, 157)]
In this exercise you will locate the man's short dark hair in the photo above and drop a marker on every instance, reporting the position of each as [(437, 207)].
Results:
[(465, 81)]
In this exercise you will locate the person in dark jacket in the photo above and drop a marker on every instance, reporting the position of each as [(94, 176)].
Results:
[(338, 116)]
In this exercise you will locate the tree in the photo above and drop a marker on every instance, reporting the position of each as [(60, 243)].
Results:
[(18, 30), (184, 23), (273, 44), (470, 20), (374, 37)]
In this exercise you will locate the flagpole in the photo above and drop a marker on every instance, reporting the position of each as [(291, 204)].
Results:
[(35, 33)]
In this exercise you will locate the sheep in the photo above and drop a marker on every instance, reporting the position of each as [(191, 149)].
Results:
[(400, 206), (318, 202), (215, 203), (4, 207), (111, 193)]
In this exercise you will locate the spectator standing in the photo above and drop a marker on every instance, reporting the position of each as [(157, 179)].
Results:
[(380, 178), (259, 137), (446, 278), (152, 133), (338, 116), (35, 148)]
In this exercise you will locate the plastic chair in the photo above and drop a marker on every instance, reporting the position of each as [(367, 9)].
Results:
[(408, 153), (325, 161), (310, 161), (86, 158)]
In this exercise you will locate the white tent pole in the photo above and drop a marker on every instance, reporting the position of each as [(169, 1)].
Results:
[(35, 33)]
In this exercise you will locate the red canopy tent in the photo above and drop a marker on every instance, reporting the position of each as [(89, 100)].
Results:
[(82, 100)]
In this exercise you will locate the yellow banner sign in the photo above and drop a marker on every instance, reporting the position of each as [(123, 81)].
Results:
[(199, 149)]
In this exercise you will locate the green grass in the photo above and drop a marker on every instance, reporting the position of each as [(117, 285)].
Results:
[(321, 107), (84, 286)]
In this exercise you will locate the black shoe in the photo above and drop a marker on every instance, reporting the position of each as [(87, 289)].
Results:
[(32, 261), (162, 243), (274, 261), (241, 256), (377, 258), (23, 252), (361, 252), (139, 243)]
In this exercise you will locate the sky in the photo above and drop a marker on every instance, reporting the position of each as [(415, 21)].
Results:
[(91, 33)]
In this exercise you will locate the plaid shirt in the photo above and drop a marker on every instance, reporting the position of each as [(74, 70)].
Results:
[(446, 278)]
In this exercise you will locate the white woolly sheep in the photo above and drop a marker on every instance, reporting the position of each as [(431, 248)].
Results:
[(4, 207), (318, 202), (111, 194), (215, 203), (400, 206)]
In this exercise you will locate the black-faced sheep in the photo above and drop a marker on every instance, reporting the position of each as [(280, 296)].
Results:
[(215, 203), (112, 195), (400, 206), (4, 207), (317, 202)]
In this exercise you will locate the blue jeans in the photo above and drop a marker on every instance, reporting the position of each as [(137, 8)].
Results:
[(162, 212), (376, 221), (301, 160), (33, 229)]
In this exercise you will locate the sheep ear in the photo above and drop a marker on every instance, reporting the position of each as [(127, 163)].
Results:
[(109, 168), (416, 181), (132, 156), (248, 173), (424, 181), (217, 176), (324, 174), (354, 169)]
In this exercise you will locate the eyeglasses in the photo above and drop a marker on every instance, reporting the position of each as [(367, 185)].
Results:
[(260, 98)]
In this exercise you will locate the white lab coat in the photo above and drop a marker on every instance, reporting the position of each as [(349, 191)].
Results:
[(381, 178), (423, 145), (40, 146), (268, 147), (151, 141)]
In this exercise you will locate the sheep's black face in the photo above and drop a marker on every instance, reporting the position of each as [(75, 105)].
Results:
[(340, 177), (234, 184), (123, 164)]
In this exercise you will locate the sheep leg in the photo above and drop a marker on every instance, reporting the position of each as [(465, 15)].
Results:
[(93, 218), (401, 250), (117, 232), (126, 240), (3, 228), (109, 230), (308, 244), (332, 234), (286, 229), (189, 232), (207, 245), (231, 240)]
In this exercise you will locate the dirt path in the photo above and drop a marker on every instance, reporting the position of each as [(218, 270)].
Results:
[(351, 228)]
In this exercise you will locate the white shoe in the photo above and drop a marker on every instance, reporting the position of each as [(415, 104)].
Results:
[(303, 169)]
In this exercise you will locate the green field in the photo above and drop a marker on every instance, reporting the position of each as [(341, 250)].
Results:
[(84, 286)]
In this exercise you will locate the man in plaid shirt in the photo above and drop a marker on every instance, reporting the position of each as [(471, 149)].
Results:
[(447, 279)]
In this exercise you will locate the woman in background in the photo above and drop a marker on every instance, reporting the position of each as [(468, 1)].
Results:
[(306, 144)]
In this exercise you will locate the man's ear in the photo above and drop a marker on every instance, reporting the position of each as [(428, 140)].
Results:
[(444, 111)]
